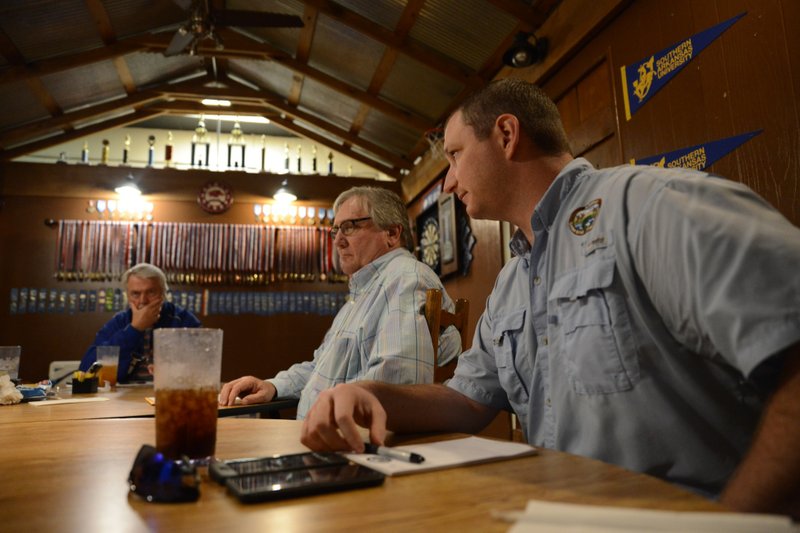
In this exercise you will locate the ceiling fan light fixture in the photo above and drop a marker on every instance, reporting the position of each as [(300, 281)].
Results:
[(523, 53)]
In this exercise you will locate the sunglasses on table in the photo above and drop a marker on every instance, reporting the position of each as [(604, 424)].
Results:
[(158, 479)]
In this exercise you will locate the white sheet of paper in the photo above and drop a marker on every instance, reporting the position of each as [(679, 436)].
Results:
[(543, 516), (445, 454), (68, 400)]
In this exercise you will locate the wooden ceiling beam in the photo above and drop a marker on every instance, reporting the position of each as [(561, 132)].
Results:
[(277, 117), (347, 137), (247, 48), (43, 144), (531, 16), (68, 121), (349, 152), (423, 54), (267, 104), (304, 43), (71, 61), (198, 88)]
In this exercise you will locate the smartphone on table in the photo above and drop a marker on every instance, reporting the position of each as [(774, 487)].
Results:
[(221, 471), (289, 476)]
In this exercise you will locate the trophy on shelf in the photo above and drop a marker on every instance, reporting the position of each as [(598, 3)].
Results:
[(263, 153), (330, 163), (104, 153), (151, 150), (126, 150), (85, 153), (201, 148), (286, 161), (314, 158), (299, 159), (236, 146), (168, 150)]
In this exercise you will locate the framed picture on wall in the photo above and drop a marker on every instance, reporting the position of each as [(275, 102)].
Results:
[(448, 234)]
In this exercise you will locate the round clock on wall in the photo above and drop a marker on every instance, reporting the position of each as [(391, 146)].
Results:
[(215, 197)]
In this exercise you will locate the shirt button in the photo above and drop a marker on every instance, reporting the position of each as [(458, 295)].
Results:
[(537, 280), (547, 401), (545, 341)]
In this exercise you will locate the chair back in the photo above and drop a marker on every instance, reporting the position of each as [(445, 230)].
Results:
[(438, 319)]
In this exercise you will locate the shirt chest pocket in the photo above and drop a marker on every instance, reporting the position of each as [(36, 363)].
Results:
[(341, 360), (511, 355), (597, 345)]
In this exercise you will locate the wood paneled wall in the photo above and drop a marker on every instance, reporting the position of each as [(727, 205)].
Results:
[(256, 345), (747, 79)]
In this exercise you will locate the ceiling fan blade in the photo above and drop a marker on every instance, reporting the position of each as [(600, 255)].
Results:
[(235, 17), (179, 42)]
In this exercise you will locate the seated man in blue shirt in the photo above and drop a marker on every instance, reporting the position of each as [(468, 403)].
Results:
[(132, 329), (650, 318), (379, 334)]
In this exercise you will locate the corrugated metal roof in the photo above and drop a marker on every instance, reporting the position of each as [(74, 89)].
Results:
[(50, 29), (344, 53), (418, 87), (379, 72), (85, 85), (467, 30), (383, 12), (331, 106)]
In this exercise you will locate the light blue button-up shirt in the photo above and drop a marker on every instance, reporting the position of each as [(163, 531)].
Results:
[(635, 328), (379, 334)]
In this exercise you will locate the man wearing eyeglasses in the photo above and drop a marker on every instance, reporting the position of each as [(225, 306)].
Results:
[(132, 329), (380, 333)]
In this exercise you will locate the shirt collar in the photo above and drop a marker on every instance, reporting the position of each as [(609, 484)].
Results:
[(363, 278), (545, 212)]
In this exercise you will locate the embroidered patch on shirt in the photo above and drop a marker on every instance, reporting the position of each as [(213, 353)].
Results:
[(582, 219), (595, 243)]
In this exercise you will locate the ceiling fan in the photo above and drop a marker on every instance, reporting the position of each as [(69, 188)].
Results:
[(204, 19)]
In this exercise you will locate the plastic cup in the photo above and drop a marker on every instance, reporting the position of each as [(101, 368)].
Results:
[(188, 364), (108, 356), (9, 360)]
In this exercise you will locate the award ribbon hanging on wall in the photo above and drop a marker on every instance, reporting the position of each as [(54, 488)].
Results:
[(697, 157), (640, 81)]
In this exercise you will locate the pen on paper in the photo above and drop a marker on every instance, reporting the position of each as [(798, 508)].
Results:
[(409, 457)]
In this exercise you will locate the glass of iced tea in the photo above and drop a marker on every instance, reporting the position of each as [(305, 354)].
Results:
[(188, 364), (108, 356)]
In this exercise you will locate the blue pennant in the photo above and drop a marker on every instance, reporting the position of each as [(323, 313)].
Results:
[(697, 157), (642, 80)]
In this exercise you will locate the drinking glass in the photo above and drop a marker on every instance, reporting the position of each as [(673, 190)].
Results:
[(188, 364)]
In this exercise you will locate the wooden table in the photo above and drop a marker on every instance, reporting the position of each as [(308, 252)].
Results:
[(124, 402), (71, 476)]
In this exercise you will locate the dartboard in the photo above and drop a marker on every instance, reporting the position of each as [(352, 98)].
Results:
[(429, 243)]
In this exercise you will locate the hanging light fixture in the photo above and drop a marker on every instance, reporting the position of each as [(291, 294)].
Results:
[(284, 195)]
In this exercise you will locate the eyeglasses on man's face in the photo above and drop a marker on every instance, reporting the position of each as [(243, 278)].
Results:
[(347, 227)]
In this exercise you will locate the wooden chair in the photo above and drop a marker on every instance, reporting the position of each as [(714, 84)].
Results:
[(438, 319)]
